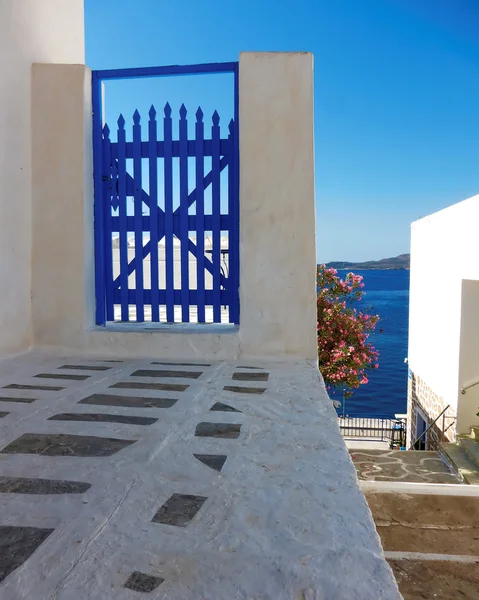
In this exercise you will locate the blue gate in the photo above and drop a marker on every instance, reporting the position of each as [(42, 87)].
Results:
[(181, 263)]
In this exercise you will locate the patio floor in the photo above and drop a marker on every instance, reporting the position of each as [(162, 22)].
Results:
[(399, 465), (211, 480)]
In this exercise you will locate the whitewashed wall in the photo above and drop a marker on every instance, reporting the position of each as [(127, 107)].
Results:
[(443, 324), (49, 31), (277, 221)]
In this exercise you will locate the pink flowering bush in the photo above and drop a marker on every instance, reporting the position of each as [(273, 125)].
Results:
[(345, 355)]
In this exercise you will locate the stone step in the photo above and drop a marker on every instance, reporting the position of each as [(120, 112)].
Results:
[(471, 446), (457, 458)]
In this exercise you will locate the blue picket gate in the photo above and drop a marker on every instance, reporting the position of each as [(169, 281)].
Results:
[(166, 234)]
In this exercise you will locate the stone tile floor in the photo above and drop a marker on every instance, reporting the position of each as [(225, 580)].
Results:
[(182, 481), (400, 465)]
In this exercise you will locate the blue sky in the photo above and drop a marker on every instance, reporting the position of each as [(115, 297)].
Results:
[(396, 95)]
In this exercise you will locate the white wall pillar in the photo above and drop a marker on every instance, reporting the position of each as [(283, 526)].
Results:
[(30, 31), (62, 179), (277, 208)]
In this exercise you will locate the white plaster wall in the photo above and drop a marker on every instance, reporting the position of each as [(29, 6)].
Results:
[(278, 263), (444, 251), (277, 224), (30, 31), (62, 181), (468, 405)]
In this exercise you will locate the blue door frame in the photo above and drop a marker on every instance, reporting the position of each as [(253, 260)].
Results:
[(106, 159)]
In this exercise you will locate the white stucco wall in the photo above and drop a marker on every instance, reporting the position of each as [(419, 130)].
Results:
[(30, 31), (278, 262), (468, 404), (277, 252), (444, 252)]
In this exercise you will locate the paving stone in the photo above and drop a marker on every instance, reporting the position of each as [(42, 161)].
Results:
[(218, 430), (244, 390), (250, 376), (128, 401), (62, 376), (173, 364), (219, 406), (85, 367), (138, 385), (140, 582), (179, 510), (9, 399), (23, 485), (17, 544), (165, 373), (214, 461), (60, 444), (3, 414), (103, 418), (45, 388)]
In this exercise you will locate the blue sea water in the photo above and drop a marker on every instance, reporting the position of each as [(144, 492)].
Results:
[(386, 294)]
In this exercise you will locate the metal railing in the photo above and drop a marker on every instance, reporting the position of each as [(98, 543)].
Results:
[(466, 387), (429, 428), (380, 428)]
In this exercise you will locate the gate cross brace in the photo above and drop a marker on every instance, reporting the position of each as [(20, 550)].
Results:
[(207, 264)]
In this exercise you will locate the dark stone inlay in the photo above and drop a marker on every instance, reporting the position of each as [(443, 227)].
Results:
[(17, 544), (219, 406), (128, 401), (245, 367), (173, 364), (60, 444), (164, 373), (9, 399), (62, 376), (140, 582), (103, 418), (137, 385), (214, 461), (112, 361), (218, 430), (3, 414), (238, 389), (250, 376), (179, 510), (24, 485), (84, 368), (45, 388)]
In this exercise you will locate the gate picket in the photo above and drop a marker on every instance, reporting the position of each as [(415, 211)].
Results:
[(169, 257), (153, 185), (184, 205), (138, 212), (216, 212), (200, 212), (122, 218)]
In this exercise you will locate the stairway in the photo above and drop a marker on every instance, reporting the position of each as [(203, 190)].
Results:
[(463, 456)]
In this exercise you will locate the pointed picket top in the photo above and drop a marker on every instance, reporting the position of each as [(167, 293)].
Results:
[(152, 113), (167, 110), (136, 117), (231, 126), (121, 122), (199, 114), (106, 131), (216, 118), (183, 111)]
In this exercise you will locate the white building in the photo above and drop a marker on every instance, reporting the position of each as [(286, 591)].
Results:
[(443, 351)]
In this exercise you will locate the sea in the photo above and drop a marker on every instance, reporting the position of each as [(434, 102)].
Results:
[(386, 293)]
